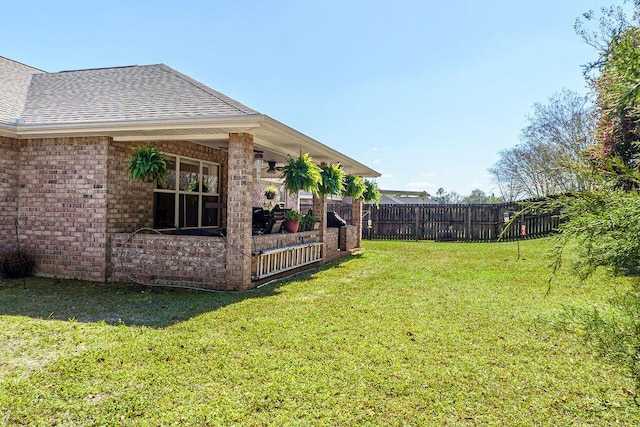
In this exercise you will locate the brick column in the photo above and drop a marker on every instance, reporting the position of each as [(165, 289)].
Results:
[(320, 210), (9, 176), (356, 219), (239, 199)]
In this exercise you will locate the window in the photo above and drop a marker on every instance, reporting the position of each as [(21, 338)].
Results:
[(189, 197)]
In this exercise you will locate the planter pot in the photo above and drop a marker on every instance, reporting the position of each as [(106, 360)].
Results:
[(291, 226), (270, 196), (316, 226), (16, 269)]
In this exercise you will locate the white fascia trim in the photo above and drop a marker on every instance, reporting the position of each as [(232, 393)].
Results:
[(241, 123), (8, 131), (188, 137)]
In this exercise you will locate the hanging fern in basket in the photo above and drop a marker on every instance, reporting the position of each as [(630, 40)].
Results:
[(301, 174), (371, 193), (147, 164), (332, 180), (354, 186)]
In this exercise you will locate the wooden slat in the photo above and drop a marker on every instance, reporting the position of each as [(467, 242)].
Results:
[(455, 222)]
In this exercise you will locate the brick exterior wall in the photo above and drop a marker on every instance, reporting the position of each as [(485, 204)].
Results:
[(239, 213), (320, 210), (130, 204), (63, 205), (291, 201), (157, 259), (349, 238), (331, 245), (259, 200), (76, 205), (258, 197), (9, 174), (279, 240)]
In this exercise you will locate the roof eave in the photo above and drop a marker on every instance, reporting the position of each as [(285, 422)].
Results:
[(316, 148), (242, 123), (266, 130)]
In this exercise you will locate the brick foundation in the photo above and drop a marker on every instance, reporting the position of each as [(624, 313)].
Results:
[(158, 259)]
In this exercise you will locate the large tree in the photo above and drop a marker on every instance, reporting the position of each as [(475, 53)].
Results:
[(549, 157), (478, 196), (603, 220)]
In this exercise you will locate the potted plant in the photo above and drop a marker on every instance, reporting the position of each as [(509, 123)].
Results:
[(332, 180), (309, 222), (292, 220), (354, 187), (17, 264), (301, 174), (147, 164), (371, 193), (270, 192)]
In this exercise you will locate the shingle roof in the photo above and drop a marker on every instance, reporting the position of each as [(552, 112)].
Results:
[(137, 102), (149, 92), (14, 84)]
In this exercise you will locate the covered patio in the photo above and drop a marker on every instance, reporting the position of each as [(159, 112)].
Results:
[(229, 256)]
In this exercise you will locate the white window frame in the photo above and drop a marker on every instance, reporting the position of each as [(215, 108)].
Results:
[(177, 192)]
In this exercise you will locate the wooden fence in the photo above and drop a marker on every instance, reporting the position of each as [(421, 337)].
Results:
[(448, 222)]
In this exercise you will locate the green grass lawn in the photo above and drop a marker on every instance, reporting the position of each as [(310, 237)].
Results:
[(405, 334)]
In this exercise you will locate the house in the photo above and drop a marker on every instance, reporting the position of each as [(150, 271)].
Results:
[(68, 200), (403, 197)]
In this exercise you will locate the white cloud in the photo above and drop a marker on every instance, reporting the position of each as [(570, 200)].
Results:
[(427, 175), (419, 185), (386, 175), (374, 149), (376, 161)]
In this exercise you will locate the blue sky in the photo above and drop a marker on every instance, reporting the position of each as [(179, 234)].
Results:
[(426, 92)]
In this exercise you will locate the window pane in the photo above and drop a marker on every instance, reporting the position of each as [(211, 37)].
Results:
[(169, 182), (189, 176), (164, 211), (209, 178), (209, 211), (188, 210)]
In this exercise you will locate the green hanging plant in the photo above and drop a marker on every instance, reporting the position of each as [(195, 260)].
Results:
[(354, 186), (332, 180), (147, 164), (270, 192), (371, 193), (301, 174)]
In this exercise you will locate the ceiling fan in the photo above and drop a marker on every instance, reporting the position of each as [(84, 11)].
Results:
[(272, 169)]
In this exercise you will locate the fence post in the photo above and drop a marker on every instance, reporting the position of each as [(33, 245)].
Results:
[(418, 233), (469, 237)]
